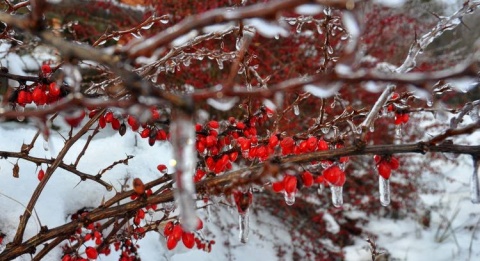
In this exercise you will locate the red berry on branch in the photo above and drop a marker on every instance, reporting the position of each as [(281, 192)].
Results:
[(384, 169), (278, 186), (188, 240), (394, 163), (41, 174), (290, 183), (91, 253), (334, 175), (171, 242), (46, 69), (307, 179)]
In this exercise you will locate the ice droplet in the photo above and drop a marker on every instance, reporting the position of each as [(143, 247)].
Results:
[(20, 109), (116, 37), (384, 189), (289, 198), (296, 110), (45, 145), (182, 131), (243, 222), (337, 195), (475, 183), (169, 206)]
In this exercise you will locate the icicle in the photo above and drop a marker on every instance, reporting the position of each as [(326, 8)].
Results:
[(398, 131), (182, 131), (208, 213), (320, 189), (243, 226), (337, 196), (45, 145), (290, 198), (384, 188), (296, 110), (475, 182), (243, 200)]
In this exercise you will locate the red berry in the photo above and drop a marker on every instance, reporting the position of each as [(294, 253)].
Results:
[(38, 96), (384, 169), (322, 145), (278, 186), (188, 239), (53, 90), (162, 168), (334, 175), (213, 124), (273, 141), (115, 124), (394, 164), (41, 174), (290, 183), (145, 133), (46, 69), (109, 117), (307, 179), (177, 232), (75, 119), (171, 242), (101, 122), (91, 253), (377, 158), (167, 231)]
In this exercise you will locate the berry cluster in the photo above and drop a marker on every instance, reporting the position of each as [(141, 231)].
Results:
[(401, 116), (148, 130), (174, 233), (41, 93), (385, 165)]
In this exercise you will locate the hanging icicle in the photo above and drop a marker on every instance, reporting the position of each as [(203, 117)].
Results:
[(337, 196), (182, 130), (475, 182), (384, 189), (243, 200)]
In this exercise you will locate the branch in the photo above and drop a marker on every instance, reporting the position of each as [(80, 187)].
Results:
[(221, 15)]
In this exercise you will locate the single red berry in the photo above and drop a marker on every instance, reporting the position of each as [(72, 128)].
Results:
[(101, 122), (290, 183), (91, 253), (322, 145), (46, 69), (162, 168), (213, 124), (41, 174), (334, 175), (273, 141), (145, 133), (167, 230), (141, 214), (76, 118), (109, 117), (240, 125), (394, 163), (177, 232), (53, 90), (171, 242), (278, 186), (307, 179), (188, 239), (38, 96), (384, 169)]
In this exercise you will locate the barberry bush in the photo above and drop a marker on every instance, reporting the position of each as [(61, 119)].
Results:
[(305, 109)]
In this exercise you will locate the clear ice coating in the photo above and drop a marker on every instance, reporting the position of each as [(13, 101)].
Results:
[(384, 189), (337, 195), (243, 226), (475, 183), (182, 130)]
